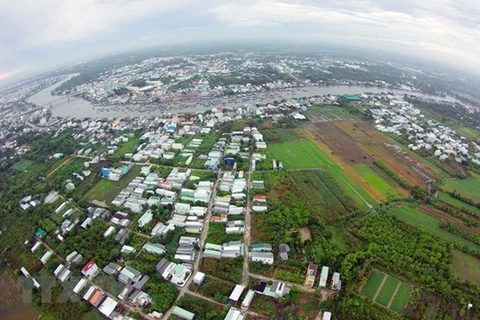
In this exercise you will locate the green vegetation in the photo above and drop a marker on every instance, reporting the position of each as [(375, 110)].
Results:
[(297, 155), (203, 310), (375, 180), (22, 165), (281, 135), (373, 283), (467, 132), (469, 188), (444, 197), (387, 291), (214, 288), (107, 190), (163, 293), (410, 214), (465, 266), (401, 298), (226, 269), (218, 235), (393, 175), (126, 147)]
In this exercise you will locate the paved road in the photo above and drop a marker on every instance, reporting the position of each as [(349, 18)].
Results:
[(203, 237)]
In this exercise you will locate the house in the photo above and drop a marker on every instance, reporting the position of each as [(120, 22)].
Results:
[(109, 232), (327, 315), (90, 270), (145, 219), (129, 275), (262, 257), (261, 247), (107, 307), (111, 268), (234, 314), (283, 251), (311, 274), (80, 286), (323, 277), (156, 248), (336, 282), (248, 299), (276, 290), (199, 278), (46, 257), (182, 313), (236, 293)]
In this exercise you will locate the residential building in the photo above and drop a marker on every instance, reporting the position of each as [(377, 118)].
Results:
[(90, 270)]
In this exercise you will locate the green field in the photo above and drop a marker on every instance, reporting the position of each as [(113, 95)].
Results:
[(401, 298), (387, 291), (373, 282), (22, 165), (106, 190), (328, 112), (469, 188), (467, 132), (422, 221), (281, 135), (297, 155), (442, 196), (305, 154), (466, 266), (375, 180)]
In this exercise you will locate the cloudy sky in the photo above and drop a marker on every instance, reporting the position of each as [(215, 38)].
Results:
[(37, 35)]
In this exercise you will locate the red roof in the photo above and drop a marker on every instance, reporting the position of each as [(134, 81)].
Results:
[(88, 265), (258, 197)]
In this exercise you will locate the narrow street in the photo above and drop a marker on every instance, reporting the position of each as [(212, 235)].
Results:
[(203, 237), (246, 236)]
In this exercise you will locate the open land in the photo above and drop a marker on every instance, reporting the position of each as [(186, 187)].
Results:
[(423, 221), (107, 190), (466, 267), (12, 306), (387, 290), (469, 188)]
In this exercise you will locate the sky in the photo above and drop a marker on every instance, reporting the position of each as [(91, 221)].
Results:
[(41, 34)]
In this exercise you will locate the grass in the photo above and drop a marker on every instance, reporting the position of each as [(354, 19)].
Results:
[(373, 282), (387, 291), (469, 188), (328, 112), (297, 155), (22, 165), (467, 132), (282, 135), (466, 266), (107, 190), (401, 298), (442, 196), (306, 154), (372, 178), (422, 221)]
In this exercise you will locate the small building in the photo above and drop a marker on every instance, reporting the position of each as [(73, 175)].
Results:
[(327, 315), (145, 219), (262, 257), (336, 282), (261, 247), (248, 299), (236, 293), (156, 248), (182, 313), (199, 278), (90, 270), (323, 277), (111, 268), (283, 251), (107, 307), (311, 274), (80, 286), (234, 314)]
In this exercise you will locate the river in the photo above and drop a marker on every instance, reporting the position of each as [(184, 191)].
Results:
[(79, 108)]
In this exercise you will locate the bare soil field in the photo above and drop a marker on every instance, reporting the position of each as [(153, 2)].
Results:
[(341, 143), (12, 306), (406, 164)]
